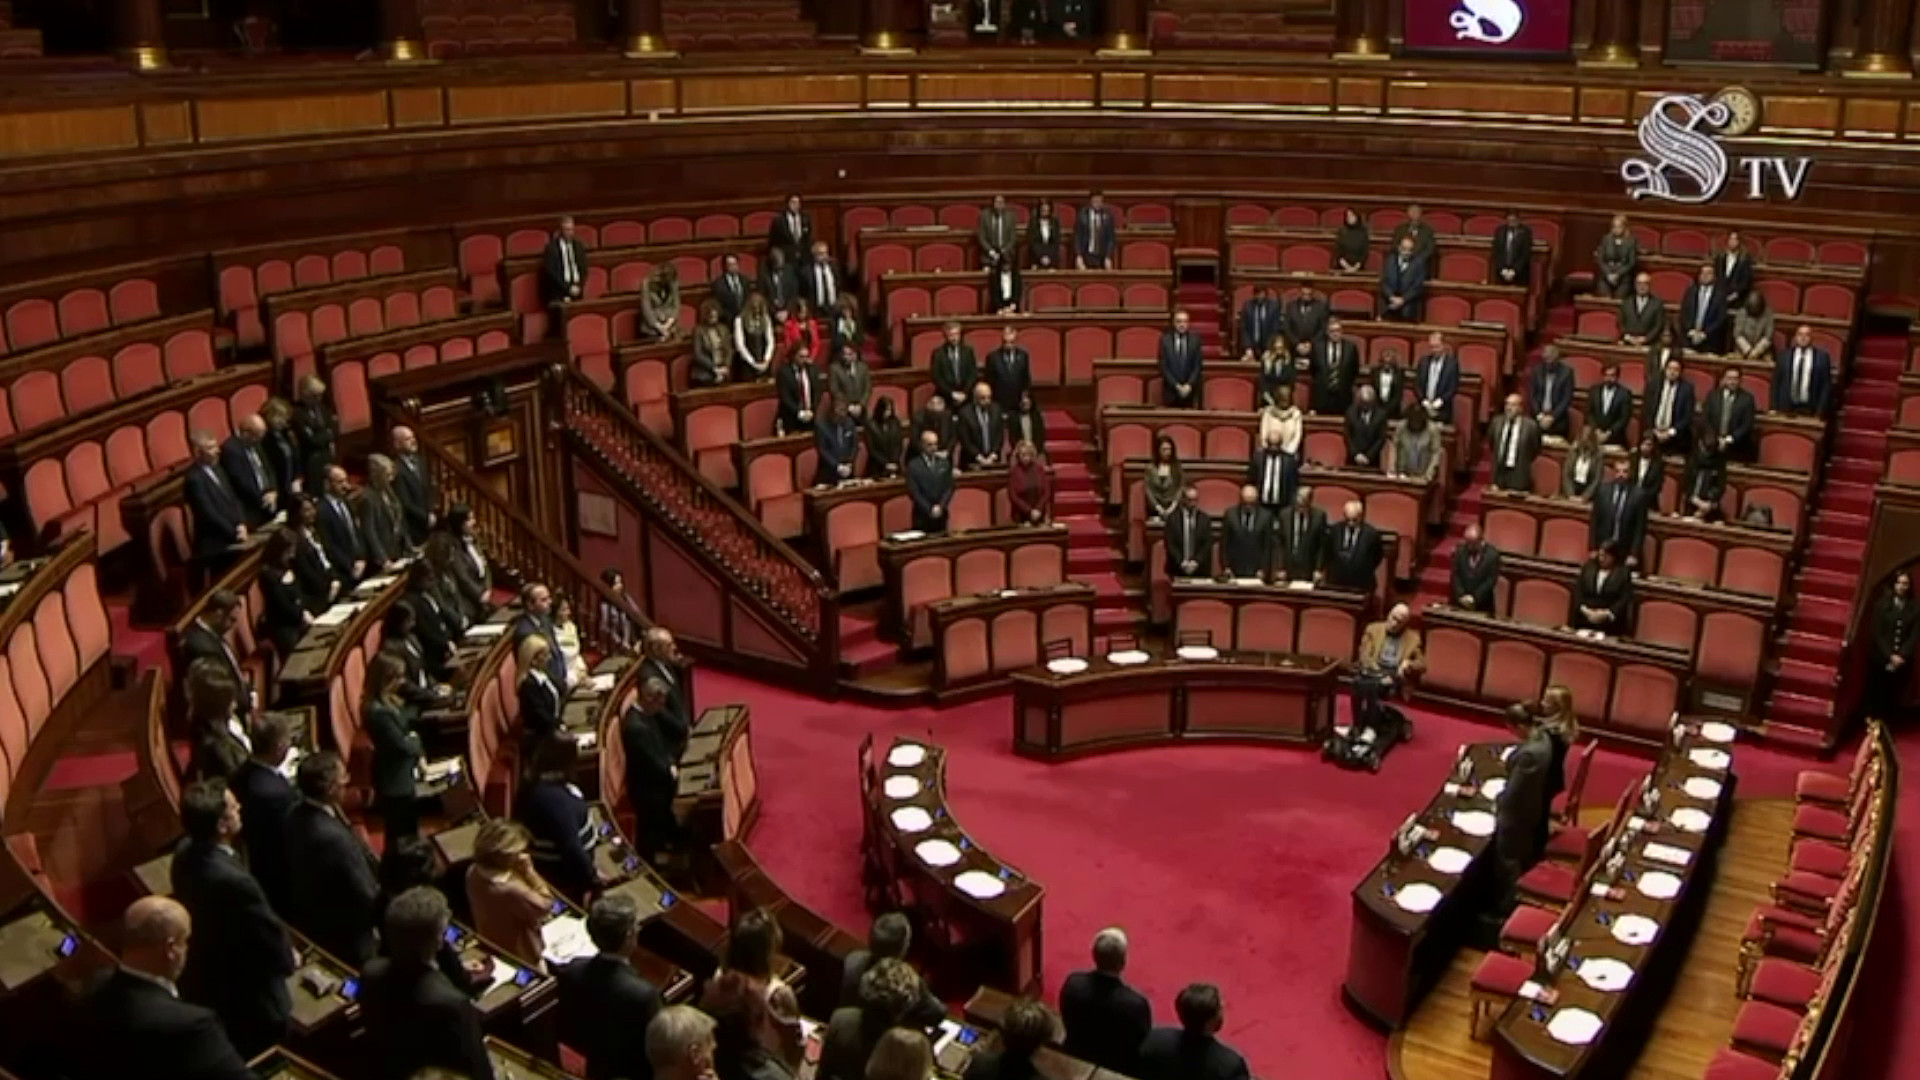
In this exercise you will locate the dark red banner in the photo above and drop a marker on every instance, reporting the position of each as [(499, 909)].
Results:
[(1508, 27)]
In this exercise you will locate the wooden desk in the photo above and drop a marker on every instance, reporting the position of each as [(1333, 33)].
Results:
[(1330, 490), (322, 651), (281, 1064), (1395, 956), (918, 572), (1236, 698), (1522, 1048), (979, 640), (996, 938), (512, 1063), (1325, 621), (1063, 345), (719, 796), (912, 294), (851, 520), (985, 1010), (1784, 491)]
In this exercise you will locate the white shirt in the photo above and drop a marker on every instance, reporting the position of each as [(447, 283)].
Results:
[(1663, 419), (1802, 374), (1510, 442), (569, 270)]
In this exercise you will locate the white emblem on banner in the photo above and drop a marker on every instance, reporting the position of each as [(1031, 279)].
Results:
[(1491, 21)]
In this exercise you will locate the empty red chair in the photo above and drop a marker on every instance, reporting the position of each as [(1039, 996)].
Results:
[(1251, 215), (83, 311), (1515, 671), (956, 300), (1687, 559), (971, 508), (31, 323), (1790, 250), (1213, 618), (1538, 602), (135, 299), (980, 571), (913, 217), (964, 650), (939, 258), (311, 270), (1752, 570), (1843, 253), (1588, 676), (86, 383), (36, 400), (401, 310), (669, 230), (1307, 259), (1397, 512), (1257, 255), (137, 369), (167, 440), (1328, 632), (1829, 301), (387, 259), (1513, 532), (716, 225), (853, 535), (480, 264), (364, 317), (1265, 628), (1097, 296), (351, 400), (1468, 266), (1663, 622), (349, 265), (438, 304), (1046, 296), (772, 497), (188, 353), (1690, 243), (1145, 255), (1564, 540), (1731, 647), (127, 460)]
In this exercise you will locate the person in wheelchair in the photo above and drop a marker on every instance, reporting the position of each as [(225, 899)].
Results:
[(1389, 656)]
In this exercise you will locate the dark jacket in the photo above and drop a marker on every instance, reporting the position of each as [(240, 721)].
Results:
[(335, 886), (216, 510), (1010, 373), (1551, 396), (419, 497), (241, 956), (1366, 434), (1611, 417), (561, 828), (1335, 369), (415, 1018), (1301, 541), (342, 537), (1180, 365), (382, 527), (955, 370), (250, 475), (605, 1007), (983, 431), (1246, 541), (927, 1013), (266, 798), (314, 575), (1512, 250), (1106, 1020), (133, 1024), (1474, 575), (318, 431), (1172, 1054), (1353, 554), (797, 396), (1189, 539), (199, 642), (930, 484), (556, 282), (540, 707), (1615, 597), (283, 609), (1619, 517), (396, 749)]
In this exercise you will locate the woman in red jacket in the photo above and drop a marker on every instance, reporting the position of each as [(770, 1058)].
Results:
[(1029, 489), (804, 329)]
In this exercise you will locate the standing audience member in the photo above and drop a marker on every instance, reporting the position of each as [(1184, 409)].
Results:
[(1302, 539), (660, 303), (1403, 283), (1603, 595), (1615, 259), (1643, 316), (930, 485), (536, 620), (335, 885), (1009, 370), (318, 430), (1735, 266), (1753, 329), (889, 991), (560, 824), (1274, 472), (1437, 379), (266, 800), (680, 1046), (1165, 480), (1585, 465), (1426, 246), (1550, 394), (890, 938), (1417, 450), (1366, 430), (1027, 423), (1516, 442), (850, 381), (1619, 516), (1193, 1050), (397, 752), (798, 385), (206, 638), (1335, 366), (340, 534), (730, 289), (754, 340), (607, 1009), (1246, 538), (1094, 243), (135, 1020), (282, 448), (1802, 377), (468, 569), (1029, 489), (506, 895), (802, 329), (836, 446), (998, 232), (248, 473), (1004, 290), (1390, 379), (1305, 321), (1730, 415), (1476, 570), (1896, 627), (381, 518), (955, 368), (713, 345), (1703, 314), (886, 441), (1180, 364), (539, 697), (416, 1018), (820, 279), (1704, 485), (1668, 410), (566, 634), (1512, 261), (1610, 406), (904, 1054), (1350, 244), (1044, 233), (1189, 538), (563, 266), (791, 232), (1106, 1020), (218, 517), (1354, 550), (419, 494), (1281, 417), (1259, 323), (652, 770), (779, 284), (220, 738), (983, 432)]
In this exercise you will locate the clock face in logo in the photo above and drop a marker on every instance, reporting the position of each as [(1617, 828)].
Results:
[(1743, 110)]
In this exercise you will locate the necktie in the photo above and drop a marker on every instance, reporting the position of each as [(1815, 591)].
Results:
[(1664, 418), (1186, 532), (1606, 399), (1513, 242), (986, 439), (806, 391), (1273, 477), (1512, 440), (1726, 410), (259, 471), (1801, 372), (1433, 379), (793, 227), (340, 508), (1350, 537), (566, 262), (1700, 308), (1619, 509)]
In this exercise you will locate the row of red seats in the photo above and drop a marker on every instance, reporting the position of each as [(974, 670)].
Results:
[(349, 378), (479, 35), (55, 639), (298, 335), (482, 251), (1381, 222), (244, 285), (980, 571), (38, 321), (912, 302), (81, 378), (624, 278), (1736, 567)]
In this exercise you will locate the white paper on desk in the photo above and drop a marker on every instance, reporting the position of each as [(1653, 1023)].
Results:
[(1491, 788), (1658, 885), (1418, 898), (9, 589), (1127, 657), (336, 615), (587, 740), (1690, 819), (1605, 974), (937, 852), (1666, 853), (290, 766), (912, 819), (1575, 1027), (1300, 586), (1473, 822), (564, 939), (1701, 787), (1715, 731), (601, 683), (436, 771), (1449, 860), (901, 787), (375, 584), (501, 975), (1708, 758), (484, 631), (906, 755), (907, 536), (1634, 929), (979, 884), (1245, 581)]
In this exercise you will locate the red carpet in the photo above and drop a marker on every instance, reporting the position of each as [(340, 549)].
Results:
[(1227, 864)]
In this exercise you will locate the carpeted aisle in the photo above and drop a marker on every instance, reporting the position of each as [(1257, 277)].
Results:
[(1229, 864)]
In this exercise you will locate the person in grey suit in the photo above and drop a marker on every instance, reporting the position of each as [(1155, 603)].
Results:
[(998, 232), (1516, 442), (1535, 774), (1615, 259), (1642, 315)]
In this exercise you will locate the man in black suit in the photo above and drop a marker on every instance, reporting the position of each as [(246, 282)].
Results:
[(791, 231), (1246, 538), (206, 638), (798, 384), (730, 288), (998, 232), (1009, 370), (1306, 318), (1274, 473), (563, 266), (1550, 394), (1667, 412), (340, 534), (1729, 415), (1802, 377), (419, 495), (1512, 261), (1516, 442), (1180, 364), (1335, 364), (983, 432), (536, 617), (436, 626), (1403, 284), (1642, 316), (249, 476), (1735, 267), (1094, 242), (1193, 1050), (1106, 1020), (1476, 570), (1610, 406), (415, 1017), (136, 1024), (605, 1005), (1437, 379), (1189, 538), (266, 799), (239, 967), (653, 769), (890, 938), (1619, 517), (1390, 379), (930, 485), (1426, 246), (335, 885), (1259, 323), (955, 369), (1521, 811), (1603, 595), (820, 281), (836, 445), (1302, 534), (780, 282), (1366, 430), (1354, 550), (219, 518), (1703, 314), (662, 659)]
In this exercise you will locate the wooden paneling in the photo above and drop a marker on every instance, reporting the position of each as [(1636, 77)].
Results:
[(1006, 88), (546, 101), (647, 96), (418, 106), (1872, 118), (226, 119), (893, 91), (166, 123), (1481, 99), (1286, 92), (1359, 95), (1123, 88), (764, 92), (67, 131), (1783, 115), (1603, 105)]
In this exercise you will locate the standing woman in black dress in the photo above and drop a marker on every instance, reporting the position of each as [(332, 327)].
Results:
[(1043, 237), (284, 617), (388, 720), (1896, 622)]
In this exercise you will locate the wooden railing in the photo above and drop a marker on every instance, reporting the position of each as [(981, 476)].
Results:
[(786, 592)]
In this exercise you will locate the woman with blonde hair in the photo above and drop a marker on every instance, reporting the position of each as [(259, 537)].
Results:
[(660, 303), (1283, 416), (507, 896), (539, 698), (754, 340), (566, 633), (712, 349), (901, 1054), (1029, 490), (1585, 467)]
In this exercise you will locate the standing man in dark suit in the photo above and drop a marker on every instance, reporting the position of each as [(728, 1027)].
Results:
[(1009, 370), (1106, 1020), (836, 444), (1512, 261), (1390, 379), (1094, 242), (1306, 318), (1302, 534), (266, 799), (335, 885), (219, 518), (1642, 316), (136, 1024), (1516, 442), (536, 617), (983, 432), (663, 660), (1476, 570), (1366, 430), (820, 281), (730, 288), (1602, 595), (1246, 538), (955, 368), (381, 517), (1619, 516), (1193, 1050), (1802, 377), (1188, 533), (1610, 406), (1426, 246), (798, 385), (1335, 364), (248, 473), (780, 282), (1703, 314), (1259, 323), (1521, 811), (653, 769), (1403, 284), (890, 938), (436, 626), (1274, 473), (563, 266), (1550, 394), (206, 638), (1667, 413), (1730, 416), (605, 1005), (1438, 378), (998, 233), (930, 485), (1735, 267), (791, 231), (415, 1017), (340, 534), (419, 495), (1180, 363), (239, 967), (1354, 550)]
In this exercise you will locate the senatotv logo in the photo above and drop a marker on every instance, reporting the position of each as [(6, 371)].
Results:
[(1494, 22), (1686, 164)]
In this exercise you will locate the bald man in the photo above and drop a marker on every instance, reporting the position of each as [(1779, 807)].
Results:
[(136, 1020), (419, 498), (1389, 656), (664, 661), (1106, 1020), (248, 473), (340, 534), (1353, 550), (1516, 442)]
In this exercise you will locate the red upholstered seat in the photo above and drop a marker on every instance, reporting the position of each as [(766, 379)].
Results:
[(1784, 933), (133, 300), (1731, 1064), (1527, 925), (1573, 844), (1820, 857), (1824, 788), (1804, 889), (1502, 974), (1822, 823), (1765, 1029), (1784, 983), (83, 311), (1550, 881)]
